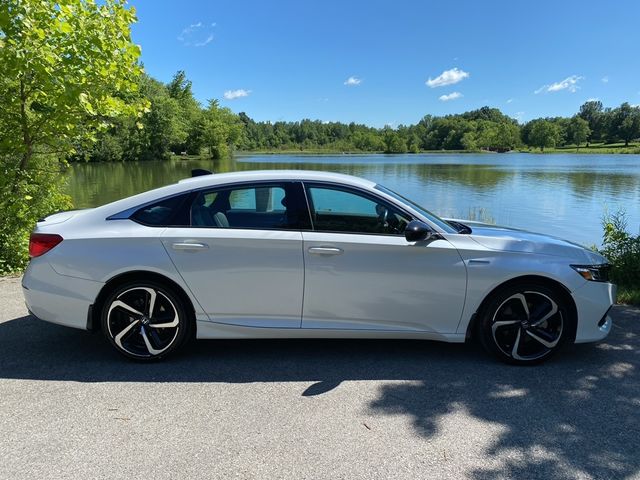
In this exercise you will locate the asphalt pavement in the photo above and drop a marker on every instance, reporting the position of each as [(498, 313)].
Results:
[(72, 408)]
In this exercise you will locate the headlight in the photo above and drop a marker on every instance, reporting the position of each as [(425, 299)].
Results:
[(593, 273)]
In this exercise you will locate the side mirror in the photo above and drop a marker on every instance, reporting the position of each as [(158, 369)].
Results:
[(417, 231)]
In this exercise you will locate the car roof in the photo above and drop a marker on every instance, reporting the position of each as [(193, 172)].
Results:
[(214, 180), (260, 175)]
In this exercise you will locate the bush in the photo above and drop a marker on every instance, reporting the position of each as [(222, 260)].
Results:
[(26, 196), (622, 249)]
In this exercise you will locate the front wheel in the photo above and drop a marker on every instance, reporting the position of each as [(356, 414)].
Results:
[(524, 324), (145, 320)]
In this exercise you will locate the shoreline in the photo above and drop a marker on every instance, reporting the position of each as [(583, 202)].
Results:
[(571, 151)]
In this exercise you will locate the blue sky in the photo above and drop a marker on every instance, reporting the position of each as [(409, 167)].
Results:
[(391, 62)]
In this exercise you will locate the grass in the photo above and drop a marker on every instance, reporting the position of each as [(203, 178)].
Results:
[(629, 296), (309, 151), (633, 148), (597, 148), (315, 151), (189, 157), (480, 214)]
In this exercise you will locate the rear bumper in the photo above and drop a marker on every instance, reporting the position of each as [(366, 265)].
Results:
[(58, 298), (593, 302)]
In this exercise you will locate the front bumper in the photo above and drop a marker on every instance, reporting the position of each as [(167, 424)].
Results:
[(593, 302)]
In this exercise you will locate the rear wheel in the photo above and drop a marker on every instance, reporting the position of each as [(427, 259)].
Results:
[(524, 324), (145, 320)]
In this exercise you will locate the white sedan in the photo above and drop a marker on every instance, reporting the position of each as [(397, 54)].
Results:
[(301, 254)]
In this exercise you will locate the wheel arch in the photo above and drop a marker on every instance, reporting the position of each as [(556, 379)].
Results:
[(93, 316), (550, 283)]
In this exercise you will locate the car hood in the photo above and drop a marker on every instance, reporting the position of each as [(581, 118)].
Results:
[(514, 240)]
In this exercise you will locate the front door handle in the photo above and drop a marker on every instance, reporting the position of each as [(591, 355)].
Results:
[(325, 250), (189, 246)]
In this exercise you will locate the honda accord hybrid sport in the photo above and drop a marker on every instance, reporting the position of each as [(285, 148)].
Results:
[(301, 254)]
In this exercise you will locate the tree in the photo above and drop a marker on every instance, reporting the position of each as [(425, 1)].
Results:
[(578, 131), (393, 143), (180, 86), (500, 136), (562, 127), (220, 128), (626, 122), (544, 134), (189, 115), (591, 111), (68, 68), (163, 125)]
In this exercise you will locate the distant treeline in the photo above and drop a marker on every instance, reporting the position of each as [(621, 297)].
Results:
[(177, 123)]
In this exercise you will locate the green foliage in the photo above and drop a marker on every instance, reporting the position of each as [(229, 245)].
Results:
[(578, 131), (544, 133), (622, 249), (177, 123), (591, 112), (308, 135), (393, 142), (187, 119), (480, 215), (69, 69), (629, 296), (24, 197), (625, 123), (598, 148), (220, 129)]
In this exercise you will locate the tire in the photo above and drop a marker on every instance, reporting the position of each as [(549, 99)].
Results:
[(141, 334), (524, 324)]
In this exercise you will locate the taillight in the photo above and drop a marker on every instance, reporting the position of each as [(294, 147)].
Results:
[(41, 243)]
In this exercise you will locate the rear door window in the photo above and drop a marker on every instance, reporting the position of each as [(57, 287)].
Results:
[(164, 213), (274, 206)]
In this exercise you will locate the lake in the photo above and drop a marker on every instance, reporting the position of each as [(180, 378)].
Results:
[(562, 195)]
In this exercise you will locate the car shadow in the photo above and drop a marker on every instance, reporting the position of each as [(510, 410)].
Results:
[(576, 415), (37, 350)]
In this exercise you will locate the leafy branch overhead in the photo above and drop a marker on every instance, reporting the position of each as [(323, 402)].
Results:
[(69, 69)]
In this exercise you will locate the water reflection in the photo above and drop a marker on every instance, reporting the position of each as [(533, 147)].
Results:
[(565, 195)]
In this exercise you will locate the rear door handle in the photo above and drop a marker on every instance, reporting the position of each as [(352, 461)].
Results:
[(325, 250), (189, 246)]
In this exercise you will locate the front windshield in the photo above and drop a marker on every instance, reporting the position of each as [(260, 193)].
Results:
[(425, 213)]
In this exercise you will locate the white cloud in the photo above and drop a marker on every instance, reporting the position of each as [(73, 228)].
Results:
[(448, 77), (569, 83), (239, 93), (605, 79), (510, 100), (352, 81), (196, 35), (451, 96), (594, 99), (204, 42)]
